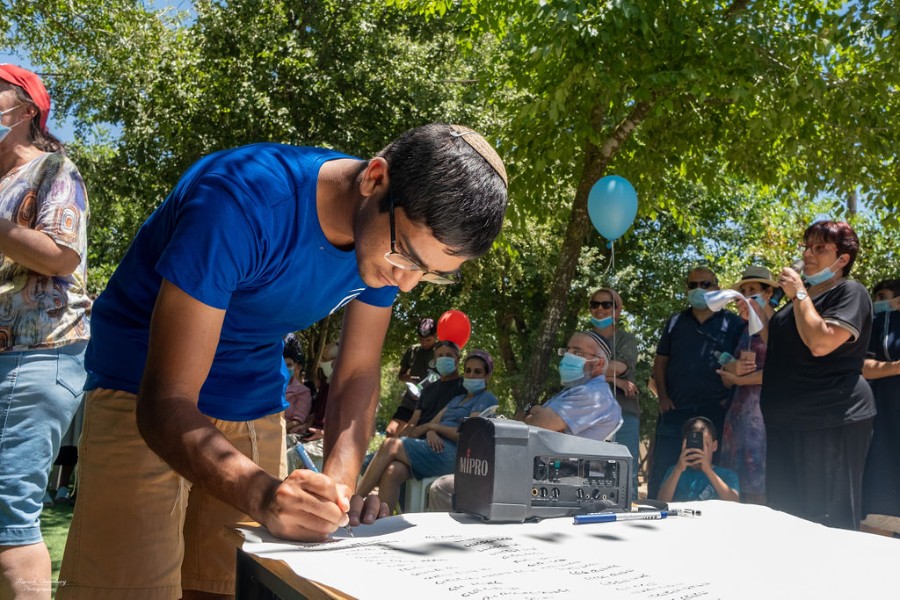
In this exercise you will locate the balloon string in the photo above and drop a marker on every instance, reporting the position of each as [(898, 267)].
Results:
[(612, 260), (611, 266), (612, 263)]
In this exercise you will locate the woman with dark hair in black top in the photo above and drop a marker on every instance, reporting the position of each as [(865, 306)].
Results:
[(817, 406)]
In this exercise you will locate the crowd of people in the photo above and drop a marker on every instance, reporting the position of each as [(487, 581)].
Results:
[(191, 392)]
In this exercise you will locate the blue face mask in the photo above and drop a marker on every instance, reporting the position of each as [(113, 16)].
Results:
[(474, 385), (4, 129), (445, 365), (820, 277), (882, 306), (571, 369), (696, 299), (601, 323), (759, 300)]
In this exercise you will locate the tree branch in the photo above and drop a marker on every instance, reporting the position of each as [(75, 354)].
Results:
[(624, 130), (736, 7)]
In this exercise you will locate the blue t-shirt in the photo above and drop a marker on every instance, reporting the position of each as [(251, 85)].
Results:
[(695, 485), (588, 410), (458, 409), (239, 232)]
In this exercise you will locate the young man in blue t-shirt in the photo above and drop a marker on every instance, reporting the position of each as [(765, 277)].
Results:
[(183, 427), (694, 477)]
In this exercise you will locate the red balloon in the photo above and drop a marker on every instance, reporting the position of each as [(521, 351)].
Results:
[(454, 326)]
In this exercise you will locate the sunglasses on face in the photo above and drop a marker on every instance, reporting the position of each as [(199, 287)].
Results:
[(693, 285), (595, 304)]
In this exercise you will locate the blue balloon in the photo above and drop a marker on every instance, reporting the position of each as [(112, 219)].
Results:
[(612, 206)]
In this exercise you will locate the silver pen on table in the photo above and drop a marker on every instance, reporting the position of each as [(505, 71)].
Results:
[(309, 464)]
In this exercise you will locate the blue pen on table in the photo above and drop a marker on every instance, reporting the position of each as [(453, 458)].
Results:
[(309, 464), (611, 517)]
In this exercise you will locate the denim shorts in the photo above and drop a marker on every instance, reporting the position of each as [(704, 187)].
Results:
[(425, 462), (40, 390)]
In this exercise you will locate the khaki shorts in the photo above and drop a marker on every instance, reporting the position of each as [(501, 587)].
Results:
[(139, 529)]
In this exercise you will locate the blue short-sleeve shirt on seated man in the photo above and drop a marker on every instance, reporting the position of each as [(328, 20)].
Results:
[(695, 485), (588, 410), (239, 232)]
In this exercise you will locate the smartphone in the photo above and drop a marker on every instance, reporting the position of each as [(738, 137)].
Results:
[(694, 439)]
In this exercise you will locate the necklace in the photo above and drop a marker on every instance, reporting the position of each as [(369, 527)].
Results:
[(15, 170)]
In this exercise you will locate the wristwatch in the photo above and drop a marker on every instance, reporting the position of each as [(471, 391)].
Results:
[(801, 295)]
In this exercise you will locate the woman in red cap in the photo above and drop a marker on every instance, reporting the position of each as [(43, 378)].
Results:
[(43, 324)]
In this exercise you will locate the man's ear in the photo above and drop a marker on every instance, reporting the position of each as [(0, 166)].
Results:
[(375, 177)]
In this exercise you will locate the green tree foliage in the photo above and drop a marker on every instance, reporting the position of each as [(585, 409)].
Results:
[(318, 72), (728, 118), (800, 96)]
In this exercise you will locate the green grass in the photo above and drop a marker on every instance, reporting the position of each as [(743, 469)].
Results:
[(55, 528)]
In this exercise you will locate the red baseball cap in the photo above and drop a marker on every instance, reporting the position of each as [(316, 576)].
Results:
[(32, 85)]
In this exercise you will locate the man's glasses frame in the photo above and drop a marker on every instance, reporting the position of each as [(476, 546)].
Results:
[(402, 261), (693, 285), (577, 352)]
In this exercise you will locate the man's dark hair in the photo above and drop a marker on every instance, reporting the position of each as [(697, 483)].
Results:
[(699, 424), (293, 349), (439, 178), (892, 285), (703, 269), (426, 327), (452, 345)]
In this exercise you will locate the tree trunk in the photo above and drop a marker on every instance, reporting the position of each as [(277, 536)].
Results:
[(596, 159), (576, 230), (507, 355)]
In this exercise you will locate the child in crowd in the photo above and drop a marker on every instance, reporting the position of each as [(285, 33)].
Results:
[(694, 477)]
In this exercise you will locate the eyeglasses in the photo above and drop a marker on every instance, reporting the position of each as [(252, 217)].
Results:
[(595, 304), (402, 261), (814, 248), (693, 285), (576, 352)]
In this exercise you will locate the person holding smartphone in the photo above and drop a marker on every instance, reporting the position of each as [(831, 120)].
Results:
[(694, 477)]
